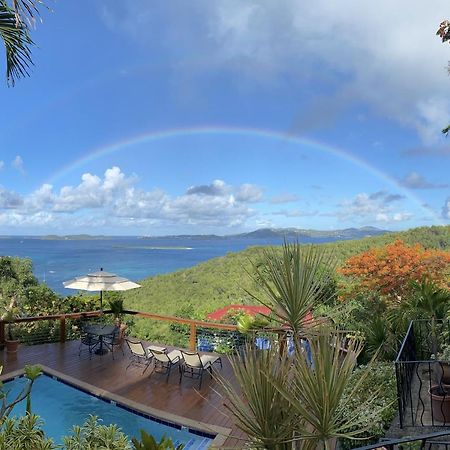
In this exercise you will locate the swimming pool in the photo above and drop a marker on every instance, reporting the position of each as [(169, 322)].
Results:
[(62, 405)]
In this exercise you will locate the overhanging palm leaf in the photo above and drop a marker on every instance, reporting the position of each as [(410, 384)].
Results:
[(17, 43)]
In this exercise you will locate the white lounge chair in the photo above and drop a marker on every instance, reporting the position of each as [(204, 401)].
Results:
[(138, 355), (194, 365), (164, 361)]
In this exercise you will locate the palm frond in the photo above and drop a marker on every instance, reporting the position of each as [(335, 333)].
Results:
[(17, 44)]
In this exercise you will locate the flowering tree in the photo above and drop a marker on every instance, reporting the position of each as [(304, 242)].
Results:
[(390, 270)]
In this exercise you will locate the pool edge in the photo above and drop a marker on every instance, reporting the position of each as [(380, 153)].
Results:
[(221, 433)]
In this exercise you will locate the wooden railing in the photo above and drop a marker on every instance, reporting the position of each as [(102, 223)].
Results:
[(63, 318)]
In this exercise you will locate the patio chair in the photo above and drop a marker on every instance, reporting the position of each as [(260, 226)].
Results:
[(87, 340), (194, 365), (138, 355), (164, 361), (114, 340)]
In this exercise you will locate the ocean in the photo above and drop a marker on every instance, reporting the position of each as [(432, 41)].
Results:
[(55, 261)]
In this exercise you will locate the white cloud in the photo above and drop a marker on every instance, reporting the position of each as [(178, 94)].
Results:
[(17, 163), (379, 206), (284, 197), (416, 181), (383, 53), (115, 199)]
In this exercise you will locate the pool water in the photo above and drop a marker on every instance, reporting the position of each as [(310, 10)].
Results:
[(61, 406)]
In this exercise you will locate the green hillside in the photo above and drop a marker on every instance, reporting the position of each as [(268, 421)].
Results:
[(218, 282)]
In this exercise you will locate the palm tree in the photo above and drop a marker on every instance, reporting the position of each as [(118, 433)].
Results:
[(428, 301), (16, 18)]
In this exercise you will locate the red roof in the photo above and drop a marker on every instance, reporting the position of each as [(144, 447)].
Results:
[(251, 310)]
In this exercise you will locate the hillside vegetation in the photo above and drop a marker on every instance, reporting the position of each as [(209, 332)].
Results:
[(196, 291)]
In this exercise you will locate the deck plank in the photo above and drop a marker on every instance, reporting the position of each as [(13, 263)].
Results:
[(153, 391)]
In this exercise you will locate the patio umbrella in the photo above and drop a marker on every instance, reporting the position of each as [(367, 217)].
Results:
[(101, 281)]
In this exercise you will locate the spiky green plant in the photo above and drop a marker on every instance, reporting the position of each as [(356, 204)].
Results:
[(148, 442), (258, 407), (294, 283), (297, 403)]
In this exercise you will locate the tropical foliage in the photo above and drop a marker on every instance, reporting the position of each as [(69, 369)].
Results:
[(391, 270), (16, 19)]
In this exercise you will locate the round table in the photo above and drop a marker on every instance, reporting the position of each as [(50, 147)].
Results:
[(101, 330)]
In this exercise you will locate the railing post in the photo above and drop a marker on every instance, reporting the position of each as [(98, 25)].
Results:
[(193, 338), (2, 334), (62, 329)]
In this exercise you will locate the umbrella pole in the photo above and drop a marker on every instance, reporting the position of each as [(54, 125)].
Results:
[(101, 300)]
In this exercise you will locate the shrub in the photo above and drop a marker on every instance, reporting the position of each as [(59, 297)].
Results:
[(380, 384)]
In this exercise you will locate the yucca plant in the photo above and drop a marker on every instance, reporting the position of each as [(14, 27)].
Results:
[(258, 407), (297, 403), (148, 442), (294, 283)]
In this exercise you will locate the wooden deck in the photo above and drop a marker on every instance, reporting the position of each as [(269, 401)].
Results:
[(152, 391)]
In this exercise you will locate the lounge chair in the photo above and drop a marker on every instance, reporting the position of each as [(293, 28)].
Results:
[(194, 365), (138, 355), (164, 361)]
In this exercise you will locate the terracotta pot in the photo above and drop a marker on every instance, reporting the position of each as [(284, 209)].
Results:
[(11, 346), (440, 404), (445, 373)]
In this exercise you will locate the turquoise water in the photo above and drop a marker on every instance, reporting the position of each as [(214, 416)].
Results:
[(56, 261), (62, 406)]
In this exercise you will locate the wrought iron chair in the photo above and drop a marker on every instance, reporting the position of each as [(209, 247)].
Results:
[(87, 340), (114, 340), (164, 361), (194, 365)]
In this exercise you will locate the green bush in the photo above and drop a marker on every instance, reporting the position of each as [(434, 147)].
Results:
[(381, 385)]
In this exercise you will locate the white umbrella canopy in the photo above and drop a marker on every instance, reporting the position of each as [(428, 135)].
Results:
[(101, 281)]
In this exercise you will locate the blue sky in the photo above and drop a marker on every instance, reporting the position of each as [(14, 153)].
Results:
[(224, 116)]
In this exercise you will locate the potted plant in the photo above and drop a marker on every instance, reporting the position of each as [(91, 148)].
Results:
[(11, 313), (116, 307), (440, 392), (444, 359)]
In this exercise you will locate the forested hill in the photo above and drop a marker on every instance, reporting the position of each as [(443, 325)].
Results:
[(201, 289)]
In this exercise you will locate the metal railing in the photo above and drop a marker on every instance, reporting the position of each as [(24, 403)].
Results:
[(62, 327), (423, 396), (425, 441)]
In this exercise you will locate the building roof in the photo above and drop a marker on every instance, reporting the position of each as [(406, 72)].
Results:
[(251, 310)]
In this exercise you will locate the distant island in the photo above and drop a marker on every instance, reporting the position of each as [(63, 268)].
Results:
[(261, 233), (289, 233)]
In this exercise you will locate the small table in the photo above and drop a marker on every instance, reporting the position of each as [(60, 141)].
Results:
[(100, 330)]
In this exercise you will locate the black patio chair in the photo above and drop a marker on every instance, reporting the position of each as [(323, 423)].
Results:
[(89, 341), (114, 340)]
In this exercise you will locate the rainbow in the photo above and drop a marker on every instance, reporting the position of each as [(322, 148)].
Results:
[(158, 135)]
